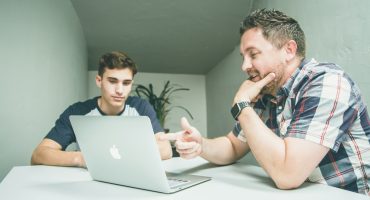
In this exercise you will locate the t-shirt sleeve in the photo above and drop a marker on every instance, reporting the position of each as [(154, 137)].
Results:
[(62, 132), (149, 111)]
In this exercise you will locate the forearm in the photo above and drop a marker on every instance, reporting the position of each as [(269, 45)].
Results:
[(219, 151), (268, 149), (49, 156), (288, 161)]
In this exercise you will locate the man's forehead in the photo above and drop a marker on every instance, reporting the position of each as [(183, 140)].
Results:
[(118, 74), (253, 39)]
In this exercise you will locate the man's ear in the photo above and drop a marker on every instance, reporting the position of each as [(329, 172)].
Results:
[(98, 80), (291, 50)]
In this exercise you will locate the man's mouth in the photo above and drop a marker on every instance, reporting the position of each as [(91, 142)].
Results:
[(253, 78), (118, 98)]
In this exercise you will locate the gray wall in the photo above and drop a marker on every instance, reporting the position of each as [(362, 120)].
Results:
[(336, 31), (44, 69), (221, 84)]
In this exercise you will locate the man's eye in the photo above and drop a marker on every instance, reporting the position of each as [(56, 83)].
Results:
[(126, 83), (253, 55)]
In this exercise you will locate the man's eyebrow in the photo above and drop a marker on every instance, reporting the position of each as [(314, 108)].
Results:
[(247, 50), (112, 78), (116, 79)]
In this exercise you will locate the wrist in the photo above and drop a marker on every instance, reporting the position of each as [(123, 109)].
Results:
[(238, 108), (245, 112), (202, 146), (237, 100), (78, 159)]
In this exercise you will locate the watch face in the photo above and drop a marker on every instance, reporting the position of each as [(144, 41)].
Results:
[(235, 111)]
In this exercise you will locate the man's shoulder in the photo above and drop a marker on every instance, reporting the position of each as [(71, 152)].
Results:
[(139, 104), (136, 101), (83, 107), (317, 72), (314, 68)]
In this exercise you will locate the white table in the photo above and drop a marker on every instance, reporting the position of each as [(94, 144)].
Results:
[(237, 181)]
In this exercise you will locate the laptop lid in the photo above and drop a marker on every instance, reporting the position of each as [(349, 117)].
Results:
[(123, 150)]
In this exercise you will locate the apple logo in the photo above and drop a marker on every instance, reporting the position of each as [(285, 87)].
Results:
[(114, 152)]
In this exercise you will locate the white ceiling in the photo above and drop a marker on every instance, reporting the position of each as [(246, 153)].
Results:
[(163, 36)]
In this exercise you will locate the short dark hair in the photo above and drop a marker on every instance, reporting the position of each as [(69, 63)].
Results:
[(116, 60), (277, 28)]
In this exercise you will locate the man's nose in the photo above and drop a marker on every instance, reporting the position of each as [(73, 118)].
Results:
[(119, 89), (246, 65)]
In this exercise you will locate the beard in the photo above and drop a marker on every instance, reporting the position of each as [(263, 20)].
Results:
[(271, 88)]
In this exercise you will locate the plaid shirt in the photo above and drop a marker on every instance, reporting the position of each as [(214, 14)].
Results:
[(320, 103)]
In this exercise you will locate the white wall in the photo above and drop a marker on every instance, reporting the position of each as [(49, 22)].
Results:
[(43, 64), (194, 99), (336, 31)]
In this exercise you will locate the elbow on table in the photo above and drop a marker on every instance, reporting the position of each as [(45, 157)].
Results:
[(287, 183), (34, 158)]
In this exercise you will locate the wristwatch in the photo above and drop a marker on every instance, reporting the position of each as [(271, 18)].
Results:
[(238, 107)]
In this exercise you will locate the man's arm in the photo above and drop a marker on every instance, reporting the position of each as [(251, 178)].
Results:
[(221, 150), (164, 146), (290, 161), (49, 152)]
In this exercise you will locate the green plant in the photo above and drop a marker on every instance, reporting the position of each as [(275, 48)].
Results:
[(162, 102)]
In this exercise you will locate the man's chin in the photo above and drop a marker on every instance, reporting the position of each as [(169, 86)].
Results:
[(268, 90), (117, 103)]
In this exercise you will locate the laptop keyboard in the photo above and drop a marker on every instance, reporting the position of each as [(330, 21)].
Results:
[(176, 182)]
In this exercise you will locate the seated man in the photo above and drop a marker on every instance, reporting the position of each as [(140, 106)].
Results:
[(115, 79), (301, 119)]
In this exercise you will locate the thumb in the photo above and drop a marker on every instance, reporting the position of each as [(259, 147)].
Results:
[(270, 77), (185, 124)]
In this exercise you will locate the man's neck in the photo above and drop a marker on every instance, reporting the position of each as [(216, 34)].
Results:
[(290, 69), (109, 110)]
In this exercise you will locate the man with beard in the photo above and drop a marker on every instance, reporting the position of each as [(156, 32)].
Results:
[(301, 119)]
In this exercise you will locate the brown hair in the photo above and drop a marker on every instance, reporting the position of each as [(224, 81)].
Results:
[(276, 27), (116, 60)]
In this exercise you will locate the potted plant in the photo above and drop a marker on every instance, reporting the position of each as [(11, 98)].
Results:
[(162, 102)]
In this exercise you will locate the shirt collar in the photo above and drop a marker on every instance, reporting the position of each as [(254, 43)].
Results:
[(283, 92)]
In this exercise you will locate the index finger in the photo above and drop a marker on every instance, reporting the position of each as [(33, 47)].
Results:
[(266, 80), (171, 136)]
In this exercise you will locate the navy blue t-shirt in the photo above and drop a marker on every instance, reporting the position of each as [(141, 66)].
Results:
[(63, 134)]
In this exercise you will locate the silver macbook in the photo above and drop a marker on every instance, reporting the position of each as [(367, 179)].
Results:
[(123, 150)]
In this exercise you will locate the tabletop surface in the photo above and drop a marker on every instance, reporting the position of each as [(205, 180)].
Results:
[(238, 180)]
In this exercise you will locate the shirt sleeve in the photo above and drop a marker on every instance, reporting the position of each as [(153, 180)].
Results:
[(62, 132), (323, 111), (149, 111), (238, 132)]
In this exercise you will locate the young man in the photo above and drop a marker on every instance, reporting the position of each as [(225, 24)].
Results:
[(301, 119), (115, 79)]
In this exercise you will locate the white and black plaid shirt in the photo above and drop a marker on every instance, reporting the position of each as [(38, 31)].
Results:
[(322, 104)]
